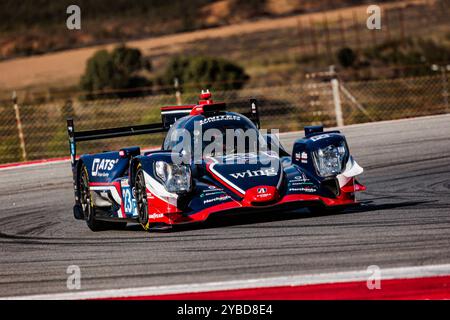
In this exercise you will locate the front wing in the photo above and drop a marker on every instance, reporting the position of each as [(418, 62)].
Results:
[(164, 212)]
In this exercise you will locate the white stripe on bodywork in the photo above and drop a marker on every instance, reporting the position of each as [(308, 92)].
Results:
[(159, 191), (235, 186), (228, 182)]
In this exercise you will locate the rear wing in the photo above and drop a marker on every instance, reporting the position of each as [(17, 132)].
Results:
[(79, 136), (168, 115), (171, 114)]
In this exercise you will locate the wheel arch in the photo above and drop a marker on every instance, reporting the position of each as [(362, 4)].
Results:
[(134, 165)]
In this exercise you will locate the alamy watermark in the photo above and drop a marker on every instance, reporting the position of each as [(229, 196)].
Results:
[(74, 279), (222, 144), (373, 22), (374, 280), (73, 21)]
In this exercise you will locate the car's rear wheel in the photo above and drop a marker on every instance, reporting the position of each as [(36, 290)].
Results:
[(141, 198), (88, 208), (87, 205)]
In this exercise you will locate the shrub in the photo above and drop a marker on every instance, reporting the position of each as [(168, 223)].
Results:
[(417, 53), (346, 57), (204, 72), (115, 70)]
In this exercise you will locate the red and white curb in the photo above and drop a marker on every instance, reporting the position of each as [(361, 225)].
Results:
[(33, 163), (420, 282)]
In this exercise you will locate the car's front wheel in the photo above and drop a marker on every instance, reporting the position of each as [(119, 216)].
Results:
[(141, 198)]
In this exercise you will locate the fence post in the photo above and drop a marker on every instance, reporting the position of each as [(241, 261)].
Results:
[(445, 88), (19, 127), (176, 84), (337, 101)]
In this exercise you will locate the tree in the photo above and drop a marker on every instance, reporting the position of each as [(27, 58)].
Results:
[(346, 57), (418, 52), (115, 70), (204, 72)]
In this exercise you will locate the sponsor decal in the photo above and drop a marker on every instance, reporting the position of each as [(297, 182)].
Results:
[(319, 137), (300, 183), (304, 157), (303, 189), (212, 190), (129, 203), (222, 198), (103, 165), (264, 195), (262, 190), (301, 178), (240, 158), (219, 118), (207, 193), (269, 172), (155, 216)]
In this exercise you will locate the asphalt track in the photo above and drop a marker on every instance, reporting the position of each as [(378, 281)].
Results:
[(404, 221)]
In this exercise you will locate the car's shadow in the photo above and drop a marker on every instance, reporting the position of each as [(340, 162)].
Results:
[(236, 219)]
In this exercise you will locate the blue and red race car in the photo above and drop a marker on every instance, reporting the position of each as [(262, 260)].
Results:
[(196, 174)]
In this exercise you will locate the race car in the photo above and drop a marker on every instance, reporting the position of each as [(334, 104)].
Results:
[(192, 176)]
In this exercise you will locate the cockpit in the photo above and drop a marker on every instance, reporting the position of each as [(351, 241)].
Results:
[(213, 135)]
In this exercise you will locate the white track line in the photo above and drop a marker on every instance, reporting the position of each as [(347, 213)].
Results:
[(292, 280)]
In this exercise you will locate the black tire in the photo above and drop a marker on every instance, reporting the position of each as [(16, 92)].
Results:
[(87, 205), (88, 208), (141, 198)]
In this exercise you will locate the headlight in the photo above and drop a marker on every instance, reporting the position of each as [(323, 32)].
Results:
[(329, 161), (176, 178)]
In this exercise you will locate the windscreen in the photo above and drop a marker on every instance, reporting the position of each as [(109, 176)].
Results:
[(214, 136)]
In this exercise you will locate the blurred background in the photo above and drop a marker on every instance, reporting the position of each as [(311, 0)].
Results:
[(306, 61)]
